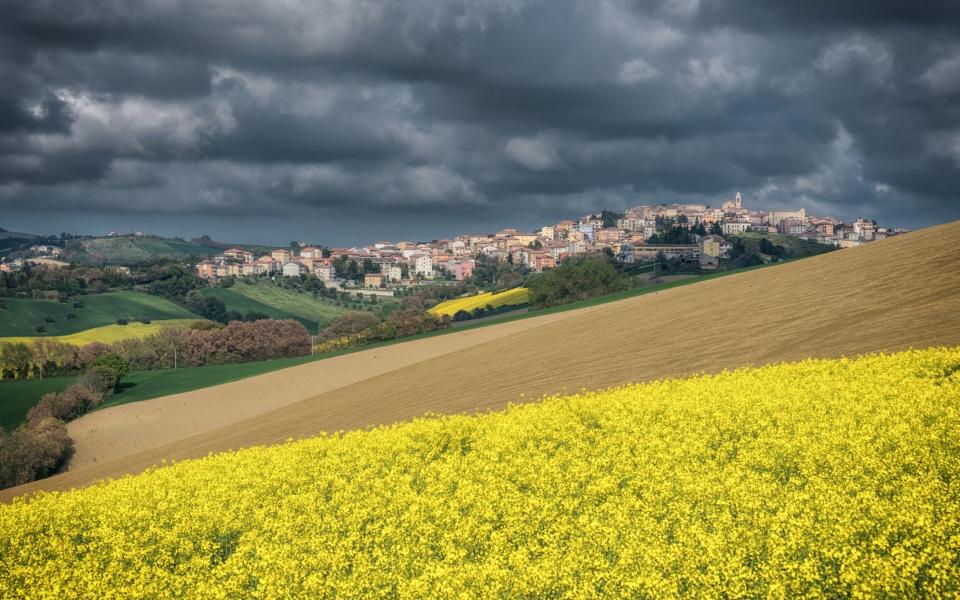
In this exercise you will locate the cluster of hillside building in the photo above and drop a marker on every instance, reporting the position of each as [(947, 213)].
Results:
[(627, 238), (40, 255)]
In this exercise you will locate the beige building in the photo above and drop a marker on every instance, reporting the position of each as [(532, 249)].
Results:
[(292, 269), (325, 272), (710, 246), (395, 273), (734, 227), (238, 254), (774, 217), (421, 264), (563, 228), (524, 239)]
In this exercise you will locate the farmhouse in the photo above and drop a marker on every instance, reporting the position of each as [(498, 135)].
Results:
[(10, 267)]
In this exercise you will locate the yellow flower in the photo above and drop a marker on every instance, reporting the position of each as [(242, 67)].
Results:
[(820, 478)]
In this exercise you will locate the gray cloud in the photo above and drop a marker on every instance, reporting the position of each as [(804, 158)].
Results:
[(426, 116)]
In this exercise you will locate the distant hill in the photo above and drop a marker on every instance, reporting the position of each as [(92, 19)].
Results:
[(14, 240), (124, 250)]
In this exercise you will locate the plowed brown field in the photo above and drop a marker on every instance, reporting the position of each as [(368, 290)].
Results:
[(888, 295)]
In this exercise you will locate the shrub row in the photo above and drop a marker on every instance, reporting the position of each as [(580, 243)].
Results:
[(202, 344), (354, 328), (41, 446), (33, 451)]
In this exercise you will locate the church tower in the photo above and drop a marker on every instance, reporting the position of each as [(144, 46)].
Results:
[(738, 201)]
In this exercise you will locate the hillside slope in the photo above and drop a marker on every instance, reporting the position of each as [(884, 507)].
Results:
[(21, 315), (900, 293), (124, 250), (14, 240), (277, 303)]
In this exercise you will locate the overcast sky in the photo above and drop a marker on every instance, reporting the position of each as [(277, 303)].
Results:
[(347, 121)]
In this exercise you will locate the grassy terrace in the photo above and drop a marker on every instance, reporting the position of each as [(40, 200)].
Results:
[(21, 316), (132, 250), (16, 397), (277, 303)]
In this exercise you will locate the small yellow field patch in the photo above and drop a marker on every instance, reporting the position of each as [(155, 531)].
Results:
[(516, 296), (107, 334)]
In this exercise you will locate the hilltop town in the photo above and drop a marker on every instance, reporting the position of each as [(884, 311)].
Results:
[(695, 234)]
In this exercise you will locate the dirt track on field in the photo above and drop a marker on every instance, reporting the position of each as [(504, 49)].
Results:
[(888, 295)]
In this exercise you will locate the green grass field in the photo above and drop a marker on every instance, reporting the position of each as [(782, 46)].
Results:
[(132, 251), (277, 303), (12, 240), (18, 397), (21, 316), (144, 385), (108, 334)]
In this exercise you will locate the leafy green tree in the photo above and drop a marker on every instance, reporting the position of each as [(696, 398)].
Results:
[(211, 308), (353, 271), (117, 363), (576, 278), (349, 324), (370, 267), (610, 217)]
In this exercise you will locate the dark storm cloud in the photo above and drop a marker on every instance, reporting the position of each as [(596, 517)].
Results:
[(488, 111), (818, 15)]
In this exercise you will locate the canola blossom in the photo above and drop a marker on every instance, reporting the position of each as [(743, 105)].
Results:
[(513, 297), (815, 479)]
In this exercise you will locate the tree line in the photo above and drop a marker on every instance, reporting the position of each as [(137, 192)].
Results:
[(357, 328), (578, 278), (41, 446), (202, 343)]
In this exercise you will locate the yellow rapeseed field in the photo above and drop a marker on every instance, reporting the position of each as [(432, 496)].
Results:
[(515, 296), (815, 479), (107, 334)]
